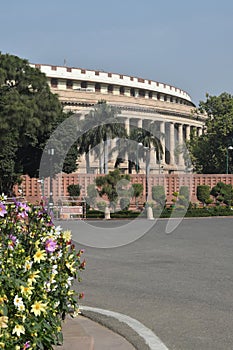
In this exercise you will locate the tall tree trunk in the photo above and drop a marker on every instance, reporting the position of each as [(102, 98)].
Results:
[(101, 168), (87, 156), (106, 156)]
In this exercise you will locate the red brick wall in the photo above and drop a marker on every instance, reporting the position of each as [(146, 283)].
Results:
[(32, 189)]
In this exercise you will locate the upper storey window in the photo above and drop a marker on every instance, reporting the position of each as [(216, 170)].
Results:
[(53, 67), (109, 75), (54, 82), (68, 69), (140, 80), (83, 71), (150, 94), (97, 72), (69, 84)]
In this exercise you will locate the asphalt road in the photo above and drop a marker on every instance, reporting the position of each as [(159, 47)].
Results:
[(180, 285)]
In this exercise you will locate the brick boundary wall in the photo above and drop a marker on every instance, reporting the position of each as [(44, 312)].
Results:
[(32, 188)]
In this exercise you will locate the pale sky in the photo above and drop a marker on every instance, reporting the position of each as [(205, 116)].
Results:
[(188, 44)]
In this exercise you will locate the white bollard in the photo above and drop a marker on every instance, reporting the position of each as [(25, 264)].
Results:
[(149, 213), (107, 213)]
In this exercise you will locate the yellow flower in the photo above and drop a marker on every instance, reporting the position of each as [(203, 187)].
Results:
[(27, 265), (3, 322), (38, 307), (67, 236), (70, 267), (18, 329), (32, 278), (26, 290), (39, 255), (2, 345)]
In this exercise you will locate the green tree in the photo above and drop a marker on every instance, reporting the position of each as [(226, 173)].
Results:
[(137, 191), (158, 195), (223, 193), (29, 112), (183, 196), (107, 185), (203, 194), (209, 151), (74, 190), (102, 125), (92, 194)]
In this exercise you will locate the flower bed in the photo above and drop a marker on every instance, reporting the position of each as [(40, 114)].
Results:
[(38, 265)]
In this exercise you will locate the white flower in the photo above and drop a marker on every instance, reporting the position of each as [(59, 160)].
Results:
[(18, 301), (69, 281)]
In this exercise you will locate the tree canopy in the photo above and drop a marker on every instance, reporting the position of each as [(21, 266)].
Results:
[(29, 112), (210, 151)]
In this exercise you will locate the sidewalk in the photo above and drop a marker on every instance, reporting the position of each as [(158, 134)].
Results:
[(81, 333)]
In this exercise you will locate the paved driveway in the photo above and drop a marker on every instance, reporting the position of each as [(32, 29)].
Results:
[(180, 285)]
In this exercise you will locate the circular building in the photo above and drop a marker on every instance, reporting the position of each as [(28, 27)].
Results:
[(142, 102)]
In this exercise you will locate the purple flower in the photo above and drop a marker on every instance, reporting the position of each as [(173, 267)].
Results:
[(12, 241), (26, 345), (23, 209), (3, 210), (50, 246)]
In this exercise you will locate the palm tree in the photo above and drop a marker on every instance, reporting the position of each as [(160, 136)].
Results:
[(102, 124)]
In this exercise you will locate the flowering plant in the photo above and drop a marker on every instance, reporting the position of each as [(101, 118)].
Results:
[(38, 263)]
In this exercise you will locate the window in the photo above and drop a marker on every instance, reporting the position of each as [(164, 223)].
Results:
[(142, 93), (158, 96), (110, 89), (97, 87), (38, 66), (171, 99), (83, 84), (109, 75), (132, 92), (140, 80), (165, 97), (83, 71), (69, 69), (150, 94), (54, 82), (97, 73), (53, 67), (149, 82), (121, 76), (69, 84), (122, 90), (131, 78)]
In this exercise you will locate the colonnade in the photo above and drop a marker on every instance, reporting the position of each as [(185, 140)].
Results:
[(172, 135)]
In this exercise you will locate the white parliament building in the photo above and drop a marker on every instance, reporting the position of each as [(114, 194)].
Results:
[(141, 102)]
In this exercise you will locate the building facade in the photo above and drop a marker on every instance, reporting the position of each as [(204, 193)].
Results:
[(142, 102)]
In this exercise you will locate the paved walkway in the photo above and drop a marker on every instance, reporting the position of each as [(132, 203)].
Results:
[(81, 333)]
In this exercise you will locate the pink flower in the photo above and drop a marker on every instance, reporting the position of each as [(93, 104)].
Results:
[(3, 210), (26, 345), (23, 209), (50, 246)]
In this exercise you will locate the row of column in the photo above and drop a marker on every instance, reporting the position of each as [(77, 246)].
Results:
[(173, 135)]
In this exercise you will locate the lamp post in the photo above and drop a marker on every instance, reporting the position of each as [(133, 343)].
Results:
[(227, 158), (51, 154), (137, 157)]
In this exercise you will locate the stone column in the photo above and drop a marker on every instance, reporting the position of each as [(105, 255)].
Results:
[(199, 131), (172, 142), (180, 141), (127, 125), (162, 140), (187, 132), (139, 122)]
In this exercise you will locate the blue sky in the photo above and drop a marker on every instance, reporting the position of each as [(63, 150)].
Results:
[(183, 43)]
